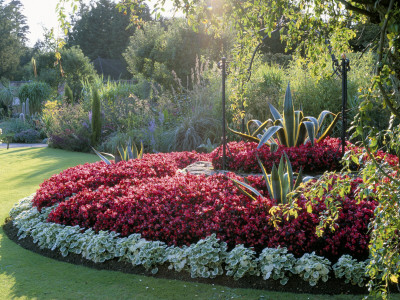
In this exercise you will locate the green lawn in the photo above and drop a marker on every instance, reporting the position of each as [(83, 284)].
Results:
[(26, 275)]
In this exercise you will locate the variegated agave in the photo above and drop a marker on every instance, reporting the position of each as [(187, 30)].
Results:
[(291, 129), (127, 153), (279, 183)]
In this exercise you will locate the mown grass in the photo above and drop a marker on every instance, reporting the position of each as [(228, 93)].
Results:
[(26, 275)]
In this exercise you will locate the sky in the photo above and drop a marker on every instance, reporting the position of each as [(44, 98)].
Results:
[(41, 13)]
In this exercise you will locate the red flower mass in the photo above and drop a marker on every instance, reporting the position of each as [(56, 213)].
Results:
[(150, 197)]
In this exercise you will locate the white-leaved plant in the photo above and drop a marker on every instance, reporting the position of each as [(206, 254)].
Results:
[(312, 268), (178, 258), (100, 246), (147, 253), (276, 263), (206, 257), (241, 261), (353, 271)]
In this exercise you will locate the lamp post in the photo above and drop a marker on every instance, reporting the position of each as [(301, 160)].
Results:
[(345, 66), (223, 114), (341, 70), (222, 66)]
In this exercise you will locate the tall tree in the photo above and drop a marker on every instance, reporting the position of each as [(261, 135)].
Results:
[(160, 48), (101, 30), (13, 30)]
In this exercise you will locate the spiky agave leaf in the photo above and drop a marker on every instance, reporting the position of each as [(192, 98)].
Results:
[(289, 118), (269, 133), (253, 190), (246, 136), (102, 157), (330, 128), (274, 112)]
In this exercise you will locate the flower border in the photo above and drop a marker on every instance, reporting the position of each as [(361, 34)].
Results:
[(207, 258)]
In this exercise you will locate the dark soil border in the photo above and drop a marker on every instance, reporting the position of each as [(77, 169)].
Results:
[(294, 285)]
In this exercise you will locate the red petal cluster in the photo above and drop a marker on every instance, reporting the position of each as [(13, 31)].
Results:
[(148, 197), (91, 176), (242, 156)]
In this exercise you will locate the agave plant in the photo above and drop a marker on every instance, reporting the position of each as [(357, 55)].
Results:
[(279, 183), (123, 153), (291, 129)]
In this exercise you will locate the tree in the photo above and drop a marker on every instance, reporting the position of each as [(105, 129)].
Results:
[(100, 30), (159, 49), (75, 68), (13, 30)]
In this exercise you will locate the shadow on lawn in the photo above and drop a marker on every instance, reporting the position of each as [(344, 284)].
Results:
[(40, 162)]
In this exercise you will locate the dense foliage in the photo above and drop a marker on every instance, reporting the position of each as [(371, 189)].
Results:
[(100, 30), (37, 92), (165, 51), (67, 126), (13, 31), (73, 69)]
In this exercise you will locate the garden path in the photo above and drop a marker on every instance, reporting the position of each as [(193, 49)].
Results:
[(17, 145)]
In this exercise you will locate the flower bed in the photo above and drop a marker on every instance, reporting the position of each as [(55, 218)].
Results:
[(146, 212), (149, 197), (182, 209)]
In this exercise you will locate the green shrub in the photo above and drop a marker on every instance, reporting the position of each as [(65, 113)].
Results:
[(76, 68), (7, 94), (15, 126), (68, 94), (67, 126), (37, 92), (27, 136), (96, 117)]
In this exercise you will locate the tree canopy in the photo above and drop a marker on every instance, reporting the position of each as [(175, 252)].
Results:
[(13, 30), (159, 49), (101, 30)]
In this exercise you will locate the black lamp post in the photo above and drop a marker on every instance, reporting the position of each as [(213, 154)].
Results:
[(341, 70), (223, 66)]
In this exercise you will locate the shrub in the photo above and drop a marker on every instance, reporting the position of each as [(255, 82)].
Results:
[(96, 118), (37, 93), (6, 99), (67, 126), (312, 268), (27, 136), (276, 264), (68, 94)]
